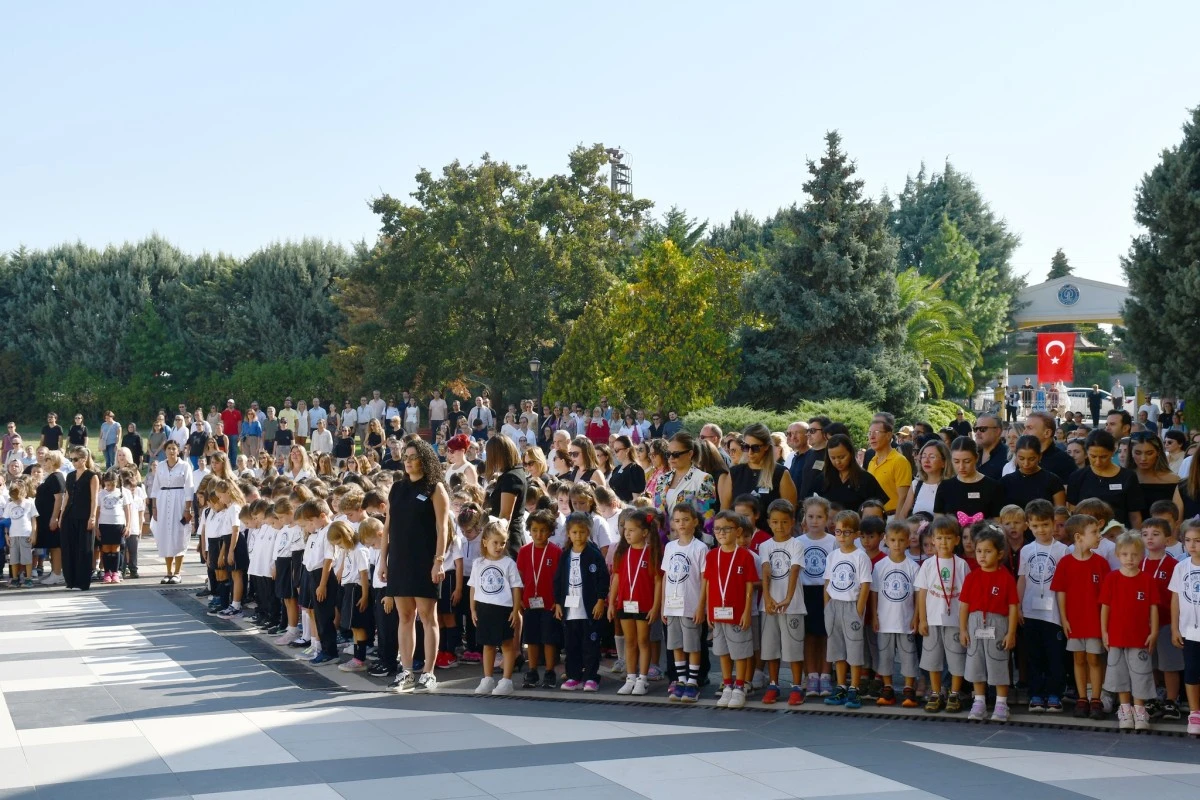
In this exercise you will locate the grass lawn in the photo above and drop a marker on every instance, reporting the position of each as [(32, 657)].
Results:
[(32, 435)]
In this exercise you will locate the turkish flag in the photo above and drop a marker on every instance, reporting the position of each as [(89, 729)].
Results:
[(1056, 357)]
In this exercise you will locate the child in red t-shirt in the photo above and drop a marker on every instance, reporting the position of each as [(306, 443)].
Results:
[(1157, 532), (541, 633), (1129, 627), (1076, 583), (634, 590), (987, 621), (729, 580)]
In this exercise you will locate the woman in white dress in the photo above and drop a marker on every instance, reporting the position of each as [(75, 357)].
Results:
[(172, 495)]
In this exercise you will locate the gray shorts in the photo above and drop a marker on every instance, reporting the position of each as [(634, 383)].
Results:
[(1167, 656), (783, 637), (1093, 646), (942, 649), (733, 641), (903, 645), (845, 628), (755, 630), (20, 551), (683, 634), (1130, 670), (987, 661)]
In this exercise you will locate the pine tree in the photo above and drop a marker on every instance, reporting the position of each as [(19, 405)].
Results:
[(1163, 270), (832, 325), (1059, 266)]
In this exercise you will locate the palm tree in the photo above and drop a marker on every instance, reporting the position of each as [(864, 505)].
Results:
[(937, 332)]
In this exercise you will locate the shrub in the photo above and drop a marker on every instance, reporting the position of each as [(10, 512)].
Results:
[(940, 413), (853, 414)]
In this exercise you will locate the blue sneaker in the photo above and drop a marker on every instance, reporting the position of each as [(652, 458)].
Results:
[(1054, 705), (676, 694), (691, 693), (321, 658), (838, 698), (1037, 705), (852, 700)]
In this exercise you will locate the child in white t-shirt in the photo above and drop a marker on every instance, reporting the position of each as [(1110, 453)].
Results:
[(1185, 619), (116, 508), (816, 545), (894, 617), (939, 584), (682, 607), (783, 611), (21, 535), (496, 607), (353, 571), (847, 587), (1042, 629)]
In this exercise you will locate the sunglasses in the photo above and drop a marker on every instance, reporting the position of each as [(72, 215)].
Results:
[(574, 453), (755, 448), (982, 428), (678, 453)]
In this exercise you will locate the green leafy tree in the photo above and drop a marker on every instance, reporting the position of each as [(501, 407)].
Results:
[(1059, 266), (675, 226), (830, 323), (1162, 326), (585, 370), (937, 331), (486, 268)]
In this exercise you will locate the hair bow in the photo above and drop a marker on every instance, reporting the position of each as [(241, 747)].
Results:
[(968, 519)]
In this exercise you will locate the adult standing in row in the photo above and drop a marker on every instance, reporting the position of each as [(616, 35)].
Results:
[(1107, 481), (231, 421), (79, 520), (933, 467), (684, 482), (1029, 481), (991, 451), (172, 496), (132, 441), (438, 414), (628, 478), (52, 433), (807, 474), (760, 476), (1157, 479), (1041, 425), (507, 483), (250, 436), (291, 415), (970, 494), (585, 468), (50, 500), (887, 466), (843, 481), (77, 434), (412, 557)]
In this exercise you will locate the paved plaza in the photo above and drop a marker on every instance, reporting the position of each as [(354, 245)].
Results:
[(131, 692)]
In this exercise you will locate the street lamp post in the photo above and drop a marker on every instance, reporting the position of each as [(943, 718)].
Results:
[(535, 369)]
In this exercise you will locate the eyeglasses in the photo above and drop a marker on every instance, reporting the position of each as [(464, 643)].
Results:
[(844, 532), (678, 453), (725, 529), (811, 431), (574, 453), (982, 428)]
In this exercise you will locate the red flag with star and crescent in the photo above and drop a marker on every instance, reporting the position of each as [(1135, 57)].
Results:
[(1056, 357)]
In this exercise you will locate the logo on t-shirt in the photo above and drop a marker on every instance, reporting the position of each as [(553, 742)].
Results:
[(1040, 568), (16, 512), (814, 561), (896, 586), (491, 580), (781, 564), (678, 568), (111, 501), (842, 577), (1191, 587)]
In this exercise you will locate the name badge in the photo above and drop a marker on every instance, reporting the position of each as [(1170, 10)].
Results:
[(761, 490), (985, 633), (1192, 633), (1044, 602), (537, 603), (1115, 487), (723, 613), (631, 607), (673, 605), (422, 498), (574, 601), (819, 465), (972, 495)]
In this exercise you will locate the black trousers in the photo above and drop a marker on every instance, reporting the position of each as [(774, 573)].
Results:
[(77, 545), (268, 604), (323, 612), (387, 627), (1046, 650), (583, 649)]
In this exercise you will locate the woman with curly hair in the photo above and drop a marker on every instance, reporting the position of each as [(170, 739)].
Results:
[(412, 556)]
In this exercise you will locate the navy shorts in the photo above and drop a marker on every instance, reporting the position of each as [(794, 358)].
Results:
[(308, 587), (444, 605), (1191, 662), (540, 627), (814, 622), (285, 585), (494, 627), (351, 616)]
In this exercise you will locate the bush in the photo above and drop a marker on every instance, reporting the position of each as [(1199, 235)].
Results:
[(853, 414), (940, 413)]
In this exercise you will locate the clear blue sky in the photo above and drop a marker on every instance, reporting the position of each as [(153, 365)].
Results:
[(225, 126)]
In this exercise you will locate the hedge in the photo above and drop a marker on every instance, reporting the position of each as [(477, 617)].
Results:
[(940, 413), (853, 414)]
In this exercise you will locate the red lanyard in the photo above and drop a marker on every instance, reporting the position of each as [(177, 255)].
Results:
[(632, 582), (942, 581)]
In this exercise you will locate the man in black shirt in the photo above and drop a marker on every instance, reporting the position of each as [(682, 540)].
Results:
[(993, 452), (284, 436), (52, 433), (806, 472), (1041, 425), (960, 425)]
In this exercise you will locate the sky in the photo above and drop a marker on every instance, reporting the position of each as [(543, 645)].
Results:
[(226, 126)]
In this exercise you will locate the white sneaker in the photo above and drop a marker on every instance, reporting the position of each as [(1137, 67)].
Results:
[(426, 683), (738, 698), (618, 667), (503, 687), (285, 637), (627, 687), (1125, 718), (726, 697), (486, 685), (640, 687)]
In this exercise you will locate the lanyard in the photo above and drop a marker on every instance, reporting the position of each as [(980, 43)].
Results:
[(946, 592), (1157, 564), (722, 585), (537, 569), (632, 582)]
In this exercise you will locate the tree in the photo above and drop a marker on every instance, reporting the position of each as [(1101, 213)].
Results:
[(1059, 266), (486, 268), (1163, 270), (937, 331), (686, 233), (666, 340), (830, 323)]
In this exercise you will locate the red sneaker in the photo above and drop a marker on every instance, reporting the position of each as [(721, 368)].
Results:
[(796, 696), (472, 657), (771, 695), (446, 660)]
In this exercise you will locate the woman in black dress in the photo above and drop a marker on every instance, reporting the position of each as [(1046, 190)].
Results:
[(1107, 481), (1158, 480), (79, 520), (1029, 482), (412, 556), (760, 476), (970, 495), (50, 499), (843, 480), (628, 479), (507, 484)]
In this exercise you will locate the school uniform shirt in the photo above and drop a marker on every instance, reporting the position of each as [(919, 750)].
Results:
[(845, 573), (494, 581), (260, 545), (815, 554), (314, 550), (1129, 600), (782, 556), (351, 564), (295, 538), (281, 545), (990, 592), (942, 579), (377, 581), (22, 515), (1177, 552), (1185, 583), (537, 567), (1161, 571), (683, 570), (1080, 582), (112, 506), (1122, 491), (895, 598), (636, 573), (454, 552), (1107, 549), (1038, 563), (471, 550), (575, 587), (727, 575)]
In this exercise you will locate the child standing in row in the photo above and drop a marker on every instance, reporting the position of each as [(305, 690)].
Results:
[(580, 589), (987, 613), (729, 579), (783, 602), (894, 615), (1185, 619), (683, 601), (353, 570), (1167, 658), (633, 595), (1076, 585), (1129, 630), (21, 536), (542, 634), (816, 544), (1042, 629), (116, 509), (847, 587), (939, 586)]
